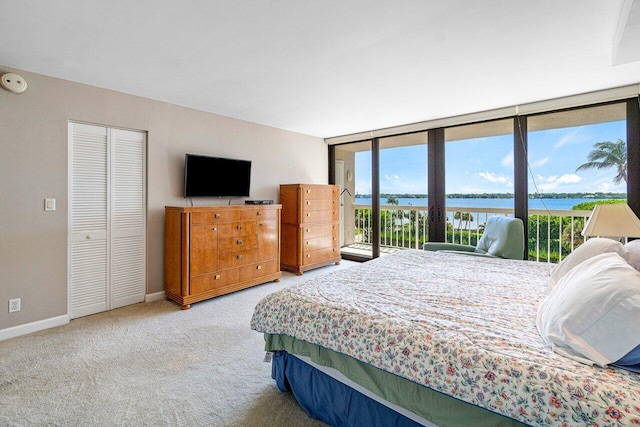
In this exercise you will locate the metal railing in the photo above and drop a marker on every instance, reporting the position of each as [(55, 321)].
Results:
[(552, 235)]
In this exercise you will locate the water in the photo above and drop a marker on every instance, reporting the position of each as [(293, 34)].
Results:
[(551, 204)]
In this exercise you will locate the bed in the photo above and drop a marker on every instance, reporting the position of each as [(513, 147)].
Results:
[(438, 338)]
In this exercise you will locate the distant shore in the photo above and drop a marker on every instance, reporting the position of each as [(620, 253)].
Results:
[(595, 196)]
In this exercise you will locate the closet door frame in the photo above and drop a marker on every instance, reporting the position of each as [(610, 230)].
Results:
[(110, 302)]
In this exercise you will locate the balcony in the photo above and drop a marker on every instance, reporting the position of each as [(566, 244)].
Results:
[(553, 234)]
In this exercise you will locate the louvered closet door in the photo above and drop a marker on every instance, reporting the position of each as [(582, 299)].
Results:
[(88, 220), (127, 217), (107, 218)]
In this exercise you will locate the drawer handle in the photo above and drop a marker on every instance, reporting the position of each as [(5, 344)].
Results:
[(308, 203), (239, 257), (214, 228), (308, 242), (308, 191), (308, 255), (308, 230), (334, 238), (259, 267), (217, 215), (239, 242), (308, 214), (217, 277), (239, 227), (259, 213)]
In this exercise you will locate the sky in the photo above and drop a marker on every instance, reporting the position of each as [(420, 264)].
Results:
[(485, 165)]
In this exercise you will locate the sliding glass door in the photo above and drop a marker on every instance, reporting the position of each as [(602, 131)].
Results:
[(479, 177), (354, 163), (577, 158), (403, 191), (442, 184)]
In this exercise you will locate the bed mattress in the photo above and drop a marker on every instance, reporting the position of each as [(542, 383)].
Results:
[(461, 325)]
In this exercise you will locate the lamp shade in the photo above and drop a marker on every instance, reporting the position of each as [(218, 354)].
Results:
[(615, 220)]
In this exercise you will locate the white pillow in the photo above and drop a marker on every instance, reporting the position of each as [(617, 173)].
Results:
[(593, 313), (592, 247), (634, 253)]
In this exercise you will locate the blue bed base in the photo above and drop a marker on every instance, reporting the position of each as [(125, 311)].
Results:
[(328, 400)]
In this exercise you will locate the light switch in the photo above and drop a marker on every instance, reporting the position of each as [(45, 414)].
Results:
[(49, 204)]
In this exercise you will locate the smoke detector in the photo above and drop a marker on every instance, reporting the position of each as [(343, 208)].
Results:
[(13, 83)]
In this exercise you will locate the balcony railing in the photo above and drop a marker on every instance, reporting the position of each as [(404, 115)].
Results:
[(553, 234)]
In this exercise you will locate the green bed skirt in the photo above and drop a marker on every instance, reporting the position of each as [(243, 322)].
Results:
[(431, 405)]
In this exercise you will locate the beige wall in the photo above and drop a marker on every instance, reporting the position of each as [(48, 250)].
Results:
[(33, 155)]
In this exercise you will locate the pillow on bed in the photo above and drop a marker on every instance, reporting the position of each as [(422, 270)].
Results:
[(634, 253), (593, 313), (590, 248)]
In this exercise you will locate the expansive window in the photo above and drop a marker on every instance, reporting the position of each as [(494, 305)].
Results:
[(443, 183), (575, 157), (479, 177), (403, 191)]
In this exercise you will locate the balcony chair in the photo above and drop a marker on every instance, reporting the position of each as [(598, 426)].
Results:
[(503, 237)]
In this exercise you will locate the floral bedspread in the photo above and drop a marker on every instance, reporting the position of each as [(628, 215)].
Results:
[(461, 325)]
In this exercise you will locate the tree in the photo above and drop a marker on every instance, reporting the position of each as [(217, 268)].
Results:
[(463, 216), (606, 155), (392, 201)]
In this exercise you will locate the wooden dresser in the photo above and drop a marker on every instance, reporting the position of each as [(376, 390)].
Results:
[(214, 250), (310, 226)]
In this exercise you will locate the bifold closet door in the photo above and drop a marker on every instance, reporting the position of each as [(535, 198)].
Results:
[(107, 218)]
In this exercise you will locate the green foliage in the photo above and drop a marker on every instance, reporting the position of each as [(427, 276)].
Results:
[(545, 233), (607, 154), (588, 206)]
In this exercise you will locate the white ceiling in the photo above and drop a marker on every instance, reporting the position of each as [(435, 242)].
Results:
[(329, 67)]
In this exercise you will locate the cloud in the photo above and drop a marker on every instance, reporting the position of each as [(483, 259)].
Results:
[(569, 138), (493, 177), (390, 177), (552, 182), (540, 162), (507, 161)]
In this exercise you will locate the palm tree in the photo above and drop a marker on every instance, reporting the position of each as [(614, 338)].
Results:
[(608, 154), (463, 216)]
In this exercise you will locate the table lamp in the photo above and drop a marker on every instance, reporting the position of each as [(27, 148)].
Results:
[(612, 220)]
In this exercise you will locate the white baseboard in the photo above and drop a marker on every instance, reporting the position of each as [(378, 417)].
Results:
[(29, 328), (157, 296)]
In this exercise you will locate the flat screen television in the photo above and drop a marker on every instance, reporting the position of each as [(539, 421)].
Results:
[(206, 176)]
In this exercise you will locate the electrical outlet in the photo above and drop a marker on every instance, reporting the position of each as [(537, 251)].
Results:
[(14, 305)]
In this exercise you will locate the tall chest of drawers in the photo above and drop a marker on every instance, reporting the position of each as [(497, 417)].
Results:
[(215, 250), (310, 226)]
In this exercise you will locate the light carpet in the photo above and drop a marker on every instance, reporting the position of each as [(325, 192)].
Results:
[(150, 364)]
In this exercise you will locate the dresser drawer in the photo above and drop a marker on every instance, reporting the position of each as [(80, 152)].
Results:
[(320, 255), (211, 281), (321, 216), (320, 230), (321, 192), (319, 205), (256, 270), (239, 243), (325, 242), (238, 228), (237, 259), (214, 216), (256, 214)]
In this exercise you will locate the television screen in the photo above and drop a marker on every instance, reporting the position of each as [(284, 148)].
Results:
[(216, 177)]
